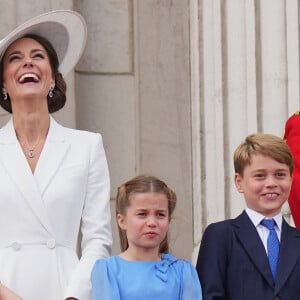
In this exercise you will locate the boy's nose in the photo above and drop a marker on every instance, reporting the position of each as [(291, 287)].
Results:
[(271, 181)]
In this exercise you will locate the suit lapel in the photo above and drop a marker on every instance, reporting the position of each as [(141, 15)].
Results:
[(32, 186), (249, 238), (52, 156), (289, 254)]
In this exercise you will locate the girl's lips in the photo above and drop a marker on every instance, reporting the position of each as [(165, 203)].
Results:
[(151, 234)]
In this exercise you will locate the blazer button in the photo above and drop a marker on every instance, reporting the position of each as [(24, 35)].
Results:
[(16, 246), (51, 244), (277, 298)]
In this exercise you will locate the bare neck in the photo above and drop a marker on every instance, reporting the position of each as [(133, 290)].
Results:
[(31, 126), (141, 254)]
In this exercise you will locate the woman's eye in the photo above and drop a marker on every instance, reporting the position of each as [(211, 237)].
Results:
[(13, 58), (39, 55)]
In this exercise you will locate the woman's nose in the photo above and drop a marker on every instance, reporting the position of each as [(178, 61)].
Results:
[(28, 61)]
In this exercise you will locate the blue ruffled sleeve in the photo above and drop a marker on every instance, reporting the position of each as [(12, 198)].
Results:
[(191, 288), (104, 284)]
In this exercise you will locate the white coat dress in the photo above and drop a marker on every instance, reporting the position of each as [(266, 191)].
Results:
[(41, 214)]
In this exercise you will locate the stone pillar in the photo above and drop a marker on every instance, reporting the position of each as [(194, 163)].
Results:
[(247, 65)]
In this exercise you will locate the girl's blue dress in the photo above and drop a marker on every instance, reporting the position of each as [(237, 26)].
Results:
[(170, 278)]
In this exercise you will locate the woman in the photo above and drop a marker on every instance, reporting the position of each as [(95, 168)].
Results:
[(54, 181)]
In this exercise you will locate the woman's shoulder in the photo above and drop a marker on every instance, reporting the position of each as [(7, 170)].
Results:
[(80, 133), (56, 126), (82, 138)]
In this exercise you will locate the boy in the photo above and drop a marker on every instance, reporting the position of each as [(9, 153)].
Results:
[(233, 261)]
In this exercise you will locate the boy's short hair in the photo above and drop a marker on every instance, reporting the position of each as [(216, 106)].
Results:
[(265, 144)]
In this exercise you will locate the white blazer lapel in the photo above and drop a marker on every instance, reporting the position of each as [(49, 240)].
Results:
[(17, 167), (52, 156)]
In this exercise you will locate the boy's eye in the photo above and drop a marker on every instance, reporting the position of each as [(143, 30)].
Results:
[(259, 175), (280, 174), (141, 214)]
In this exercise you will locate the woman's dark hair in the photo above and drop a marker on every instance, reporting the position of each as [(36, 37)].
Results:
[(59, 93)]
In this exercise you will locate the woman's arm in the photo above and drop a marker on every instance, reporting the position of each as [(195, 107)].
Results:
[(95, 222), (7, 294)]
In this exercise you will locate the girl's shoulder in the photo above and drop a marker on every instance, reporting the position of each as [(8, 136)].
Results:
[(174, 267), (170, 260), (106, 263)]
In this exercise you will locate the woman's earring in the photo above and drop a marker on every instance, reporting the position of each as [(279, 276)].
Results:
[(51, 91), (4, 93)]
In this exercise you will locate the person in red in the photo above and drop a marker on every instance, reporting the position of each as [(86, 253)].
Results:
[(292, 138)]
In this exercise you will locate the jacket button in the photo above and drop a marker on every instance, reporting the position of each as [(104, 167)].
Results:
[(277, 298), (51, 244), (16, 246)]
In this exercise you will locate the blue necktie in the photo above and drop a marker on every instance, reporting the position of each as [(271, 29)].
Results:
[(272, 245)]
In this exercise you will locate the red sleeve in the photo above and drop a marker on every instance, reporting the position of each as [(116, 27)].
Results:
[(292, 137)]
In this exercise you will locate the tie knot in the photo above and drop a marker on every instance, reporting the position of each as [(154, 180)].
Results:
[(269, 223)]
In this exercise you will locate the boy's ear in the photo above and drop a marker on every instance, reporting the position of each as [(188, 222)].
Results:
[(121, 221), (238, 182)]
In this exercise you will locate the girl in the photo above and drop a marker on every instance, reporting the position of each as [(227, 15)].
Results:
[(144, 270)]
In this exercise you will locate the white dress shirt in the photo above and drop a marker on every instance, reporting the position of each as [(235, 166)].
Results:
[(262, 231)]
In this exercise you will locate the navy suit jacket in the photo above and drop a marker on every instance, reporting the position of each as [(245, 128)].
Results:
[(233, 264)]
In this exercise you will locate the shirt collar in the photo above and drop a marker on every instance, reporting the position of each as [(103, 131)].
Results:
[(256, 217)]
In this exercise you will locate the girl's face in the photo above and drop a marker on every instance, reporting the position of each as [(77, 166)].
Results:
[(27, 71), (146, 223), (265, 184)]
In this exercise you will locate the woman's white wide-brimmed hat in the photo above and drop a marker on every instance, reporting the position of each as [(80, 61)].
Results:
[(66, 31)]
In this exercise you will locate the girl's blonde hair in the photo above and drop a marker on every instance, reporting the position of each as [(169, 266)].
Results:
[(143, 184)]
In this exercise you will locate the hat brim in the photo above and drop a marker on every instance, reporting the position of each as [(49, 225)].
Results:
[(65, 30)]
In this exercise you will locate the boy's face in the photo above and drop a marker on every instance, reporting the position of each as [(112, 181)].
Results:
[(265, 184)]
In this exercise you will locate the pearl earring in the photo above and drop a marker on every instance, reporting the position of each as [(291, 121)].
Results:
[(51, 91), (4, 92)]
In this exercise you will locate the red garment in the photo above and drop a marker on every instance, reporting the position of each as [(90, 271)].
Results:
[(292, 137)]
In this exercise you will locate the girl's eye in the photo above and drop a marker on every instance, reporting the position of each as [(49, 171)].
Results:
[(161, 215)]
